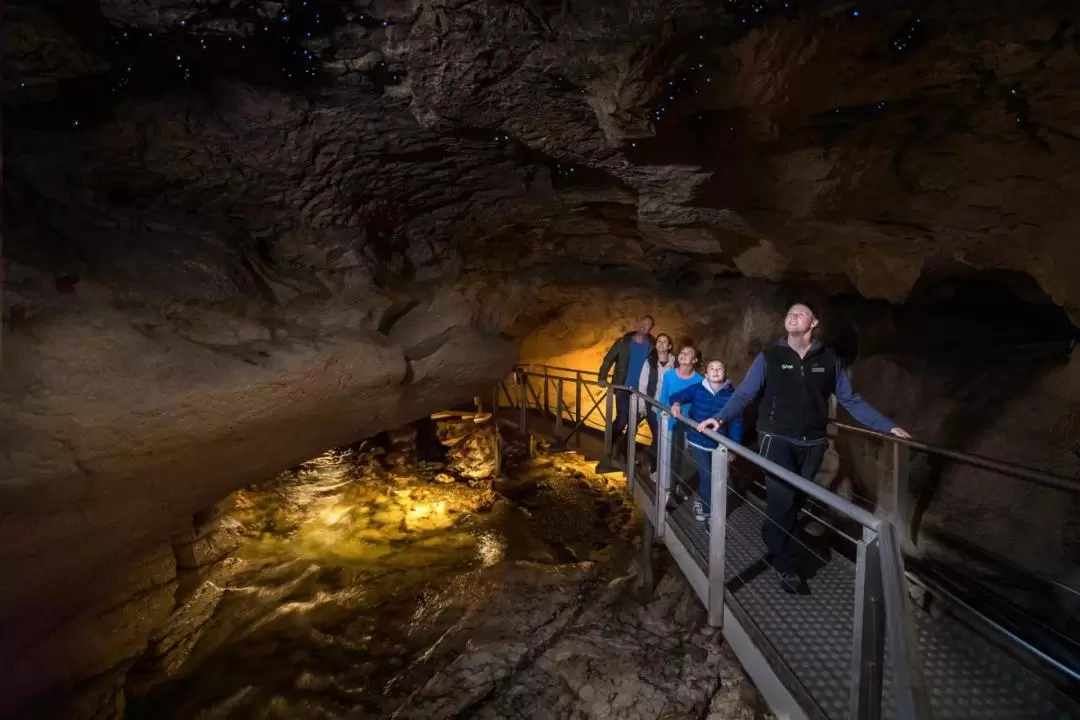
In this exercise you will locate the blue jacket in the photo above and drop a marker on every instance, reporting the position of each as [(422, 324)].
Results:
[(704, 403)]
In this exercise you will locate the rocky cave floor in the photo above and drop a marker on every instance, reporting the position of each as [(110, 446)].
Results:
[(371, 582)]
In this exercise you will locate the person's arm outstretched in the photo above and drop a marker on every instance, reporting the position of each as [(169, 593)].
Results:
[(864, 413)]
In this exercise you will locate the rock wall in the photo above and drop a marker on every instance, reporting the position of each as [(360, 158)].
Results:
[(223, 256)]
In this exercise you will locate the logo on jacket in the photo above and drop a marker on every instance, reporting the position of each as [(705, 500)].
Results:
[(785, 366), (817, 369)]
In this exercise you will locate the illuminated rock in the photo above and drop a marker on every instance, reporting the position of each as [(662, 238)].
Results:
[(473, 457)]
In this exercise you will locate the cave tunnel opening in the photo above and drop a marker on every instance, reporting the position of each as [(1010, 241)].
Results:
[(982, 309), (954, 312)]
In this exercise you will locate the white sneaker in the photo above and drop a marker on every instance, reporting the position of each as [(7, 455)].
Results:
[(699, 511)]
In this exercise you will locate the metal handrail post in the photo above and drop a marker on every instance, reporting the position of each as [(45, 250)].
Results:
[(912, 699), (631, 444), (663, 474), (547, 400), (868, 638), (523, 402), (717, 530), (577, 403), (558, 406), (901, 497), (609, 404)]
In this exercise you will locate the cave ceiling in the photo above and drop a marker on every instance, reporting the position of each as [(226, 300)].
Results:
[(336, 145)]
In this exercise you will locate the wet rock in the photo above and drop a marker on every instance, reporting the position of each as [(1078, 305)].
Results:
[(171, 644), (402, 438), (92, 653), (215, 541), (444, 478), (474, 456), (450, 430), (600, 654), (395, 459)]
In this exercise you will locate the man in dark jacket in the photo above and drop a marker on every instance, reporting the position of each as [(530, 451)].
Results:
[(796, 377), (627, 354)]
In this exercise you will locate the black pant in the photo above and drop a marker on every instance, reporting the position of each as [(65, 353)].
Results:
[(622, 419), (781, 528), (653, 451)]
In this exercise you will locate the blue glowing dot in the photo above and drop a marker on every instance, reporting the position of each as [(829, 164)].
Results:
[(22, 83), (633, 144), (284, 18), (177, 58), (854, 13), (183, 22)]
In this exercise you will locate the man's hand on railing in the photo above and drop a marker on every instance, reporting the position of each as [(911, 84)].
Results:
[(900, 433), (710, 424)]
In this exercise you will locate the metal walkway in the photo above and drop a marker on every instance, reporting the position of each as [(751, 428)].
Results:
[(829, 654)]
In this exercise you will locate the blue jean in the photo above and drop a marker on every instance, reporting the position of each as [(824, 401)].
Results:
[(703, 460)]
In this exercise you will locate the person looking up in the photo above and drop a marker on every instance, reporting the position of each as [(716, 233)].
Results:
[(795, 378), (699, 402), (660, 359), (627, 356), (682, 376)]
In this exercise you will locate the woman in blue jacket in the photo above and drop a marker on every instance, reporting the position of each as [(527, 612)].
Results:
[(705, 400)]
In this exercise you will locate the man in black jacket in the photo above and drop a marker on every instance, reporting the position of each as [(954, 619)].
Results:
[(627, 354), (795, 377)]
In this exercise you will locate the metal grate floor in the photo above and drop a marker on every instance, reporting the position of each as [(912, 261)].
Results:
[(967, 677)]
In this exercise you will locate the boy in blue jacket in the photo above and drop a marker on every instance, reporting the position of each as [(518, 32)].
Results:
[(706, 399)]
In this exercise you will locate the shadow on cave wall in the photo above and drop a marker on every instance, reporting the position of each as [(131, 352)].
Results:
[(981, 341)]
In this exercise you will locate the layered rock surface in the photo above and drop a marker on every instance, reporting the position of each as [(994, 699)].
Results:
[(219, 275)]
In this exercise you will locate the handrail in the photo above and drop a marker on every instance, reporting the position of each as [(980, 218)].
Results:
[(883, 537), (832, 500), (1011, 469), (868, 659), (1022, 472)]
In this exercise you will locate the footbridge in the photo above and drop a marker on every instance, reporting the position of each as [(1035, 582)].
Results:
[(885, 631)]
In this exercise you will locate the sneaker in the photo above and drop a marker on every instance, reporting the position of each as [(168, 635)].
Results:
[(792, 583), (699, 511)]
